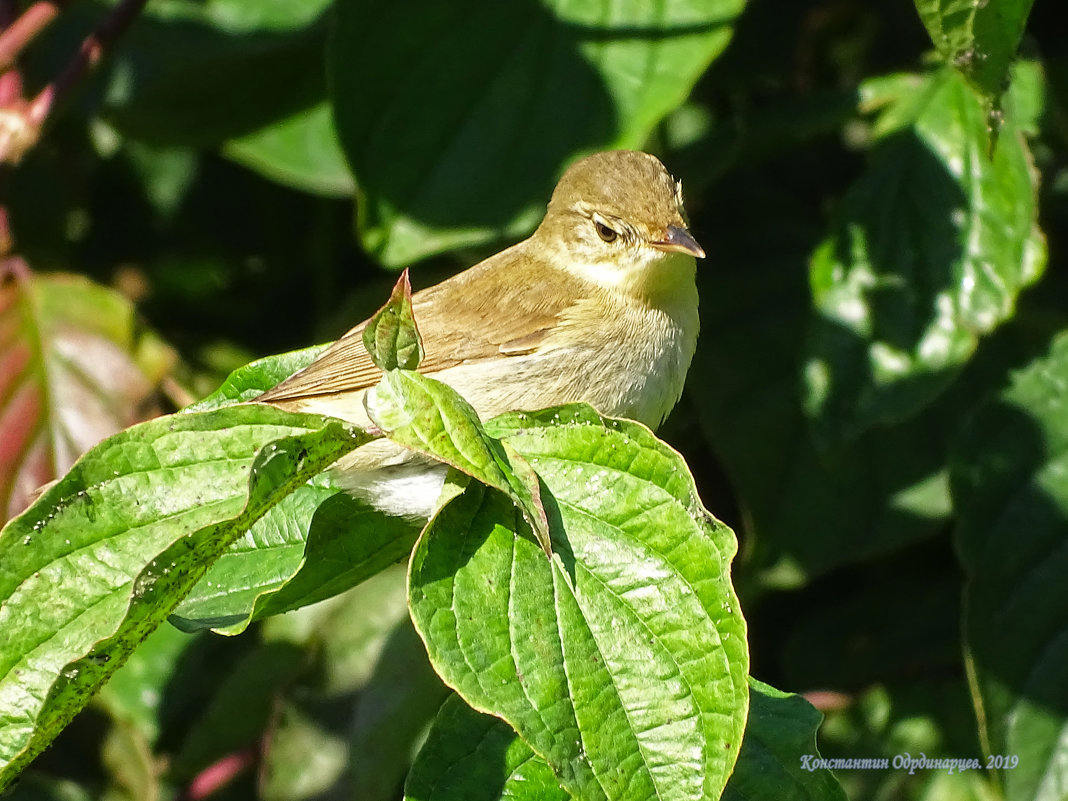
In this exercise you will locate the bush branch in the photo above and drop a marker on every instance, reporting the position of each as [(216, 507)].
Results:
[(21, 121), (25, 28), (91, 53)]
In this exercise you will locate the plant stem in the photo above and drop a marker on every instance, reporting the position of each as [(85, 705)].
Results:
[(90, 53), (24, 28)]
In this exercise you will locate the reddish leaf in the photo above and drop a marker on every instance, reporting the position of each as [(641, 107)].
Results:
[(75, 367)]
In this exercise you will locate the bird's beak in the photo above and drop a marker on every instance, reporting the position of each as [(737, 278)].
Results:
[(679, 240)]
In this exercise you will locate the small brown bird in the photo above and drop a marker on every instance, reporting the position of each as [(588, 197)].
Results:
[(598, 305)]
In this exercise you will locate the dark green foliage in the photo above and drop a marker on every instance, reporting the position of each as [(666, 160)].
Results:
[(877, 408)]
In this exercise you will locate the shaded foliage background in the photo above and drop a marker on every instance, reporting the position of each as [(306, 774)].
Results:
[(873, 406)]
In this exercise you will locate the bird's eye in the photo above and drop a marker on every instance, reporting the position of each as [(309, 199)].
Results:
[(606, 233)]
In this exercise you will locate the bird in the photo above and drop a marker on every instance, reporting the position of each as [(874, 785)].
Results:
[(598, 305)]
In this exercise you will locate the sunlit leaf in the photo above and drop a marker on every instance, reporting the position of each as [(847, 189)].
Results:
[(429, 417), (622, 659), (979, 39), (301, 151), (479, 757), (929, 252), (100, 560), (391, 336)]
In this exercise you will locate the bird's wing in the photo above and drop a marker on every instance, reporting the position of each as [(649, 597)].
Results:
[(457, 326)]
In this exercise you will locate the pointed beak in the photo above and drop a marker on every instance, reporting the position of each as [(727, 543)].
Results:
[(679, 240)]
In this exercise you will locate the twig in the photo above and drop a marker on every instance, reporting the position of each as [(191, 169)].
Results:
[(10, 80), (7, 242), (25, 28), (21, 121), (10, 88), (90, 54)]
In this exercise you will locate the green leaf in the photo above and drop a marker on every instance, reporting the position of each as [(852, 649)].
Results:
[(301, 151), (136, 691), (391, 335), (75, 367), (315, 544), (478, 758), (1009, 483), (979, 39), (431, 418), (392, 717), (621, 660), (366, 697), (451, 157), (318, 541), (247, 382), (930, 251), (240, 707), (889, 483), (102, 558), (198, 74), (261, 561), (779, 758)]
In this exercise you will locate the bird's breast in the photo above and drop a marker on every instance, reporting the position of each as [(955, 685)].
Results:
[(626, 358)]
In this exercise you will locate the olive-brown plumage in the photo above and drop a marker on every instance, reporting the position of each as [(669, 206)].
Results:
[(598, 305)]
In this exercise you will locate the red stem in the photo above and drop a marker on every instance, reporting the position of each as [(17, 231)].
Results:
[(90, 54), (25, 28)]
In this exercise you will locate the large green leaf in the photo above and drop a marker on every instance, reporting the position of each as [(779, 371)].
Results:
[(106, 554), (779, 758), (268, 556), (885, 490), (478, 757), (979, 39), (301, 150), (199, 73), (621, 659), (457, 117), (319, 541), (1010, 483), (929, 252)]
